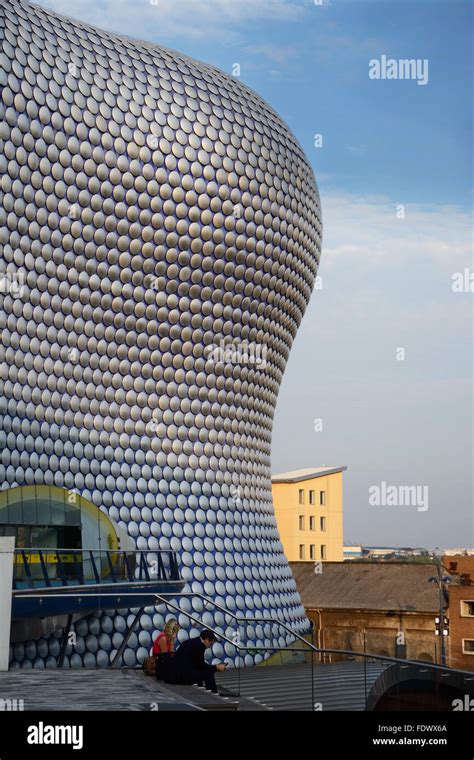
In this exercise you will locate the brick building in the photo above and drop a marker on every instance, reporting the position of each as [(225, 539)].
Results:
[(388, 607), (460, 568)]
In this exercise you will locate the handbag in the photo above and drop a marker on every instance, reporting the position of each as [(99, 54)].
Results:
[(149, 665)]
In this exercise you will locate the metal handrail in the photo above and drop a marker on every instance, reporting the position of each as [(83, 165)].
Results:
[(312, 647), (317, 650), (134, 560), (235, 617)]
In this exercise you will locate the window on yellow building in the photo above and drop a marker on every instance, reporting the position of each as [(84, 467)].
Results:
[(301, 495), (312, 523), (301, 551), (322, 522), (323, 551), (301, 522), (312, 551), (467, 608), (322, 498), (312, 499)]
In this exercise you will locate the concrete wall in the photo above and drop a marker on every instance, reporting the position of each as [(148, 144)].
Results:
[(345, 629), (7, 546)]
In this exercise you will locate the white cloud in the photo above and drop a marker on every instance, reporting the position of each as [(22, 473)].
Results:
[(387, 283), (356, 226), (392, 279), (178, 19), (276, 53)]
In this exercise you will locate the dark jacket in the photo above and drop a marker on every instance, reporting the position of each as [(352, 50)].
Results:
[(189, 659)]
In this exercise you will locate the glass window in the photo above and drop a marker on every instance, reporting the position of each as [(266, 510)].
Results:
[(37, 537), (43, 537), (323, 551), (312, 499), (312, 551), (312, 523), (46, 516), (301, 551), (468, 646), (43, 507), (72, 512), (57, 513), (7, 530), (301, 522), (29, 511), (51, 537), (69, 537), (22, 538), (467, 608), (322, 523), (301, 495), (15, 508), (322, 498)]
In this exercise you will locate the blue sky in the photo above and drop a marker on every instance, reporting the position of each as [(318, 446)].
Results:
[(311, 63), (386, 280)]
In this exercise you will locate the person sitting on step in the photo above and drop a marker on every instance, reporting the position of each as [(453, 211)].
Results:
[(189, 666), (163, 648)]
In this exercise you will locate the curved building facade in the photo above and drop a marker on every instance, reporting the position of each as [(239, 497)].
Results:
[(160, 237)]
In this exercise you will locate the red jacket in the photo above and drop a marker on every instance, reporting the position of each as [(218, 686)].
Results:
[(156, 644)]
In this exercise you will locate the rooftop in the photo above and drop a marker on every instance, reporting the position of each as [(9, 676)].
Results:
[(307, 473), (367, 585), (337, 686)]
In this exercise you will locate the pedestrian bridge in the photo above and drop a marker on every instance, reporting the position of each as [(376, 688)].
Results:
[(49, 582)]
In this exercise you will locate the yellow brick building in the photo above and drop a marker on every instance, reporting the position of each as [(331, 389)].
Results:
[(308, 510)]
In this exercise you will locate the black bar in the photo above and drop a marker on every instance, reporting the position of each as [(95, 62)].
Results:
[(62, 572), (124, 643), (114, 579), (80, 574), (160, 570), (27, 569), (94, 567), (129, 571), (44, 568)]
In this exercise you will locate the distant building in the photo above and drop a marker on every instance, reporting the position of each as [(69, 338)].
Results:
[(460, 568), (353, 552), (395, 552), (380, 552), (308, 509), (388, 607), (459, 551)]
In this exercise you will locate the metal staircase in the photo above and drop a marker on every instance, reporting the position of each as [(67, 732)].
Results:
[(118, 581)]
